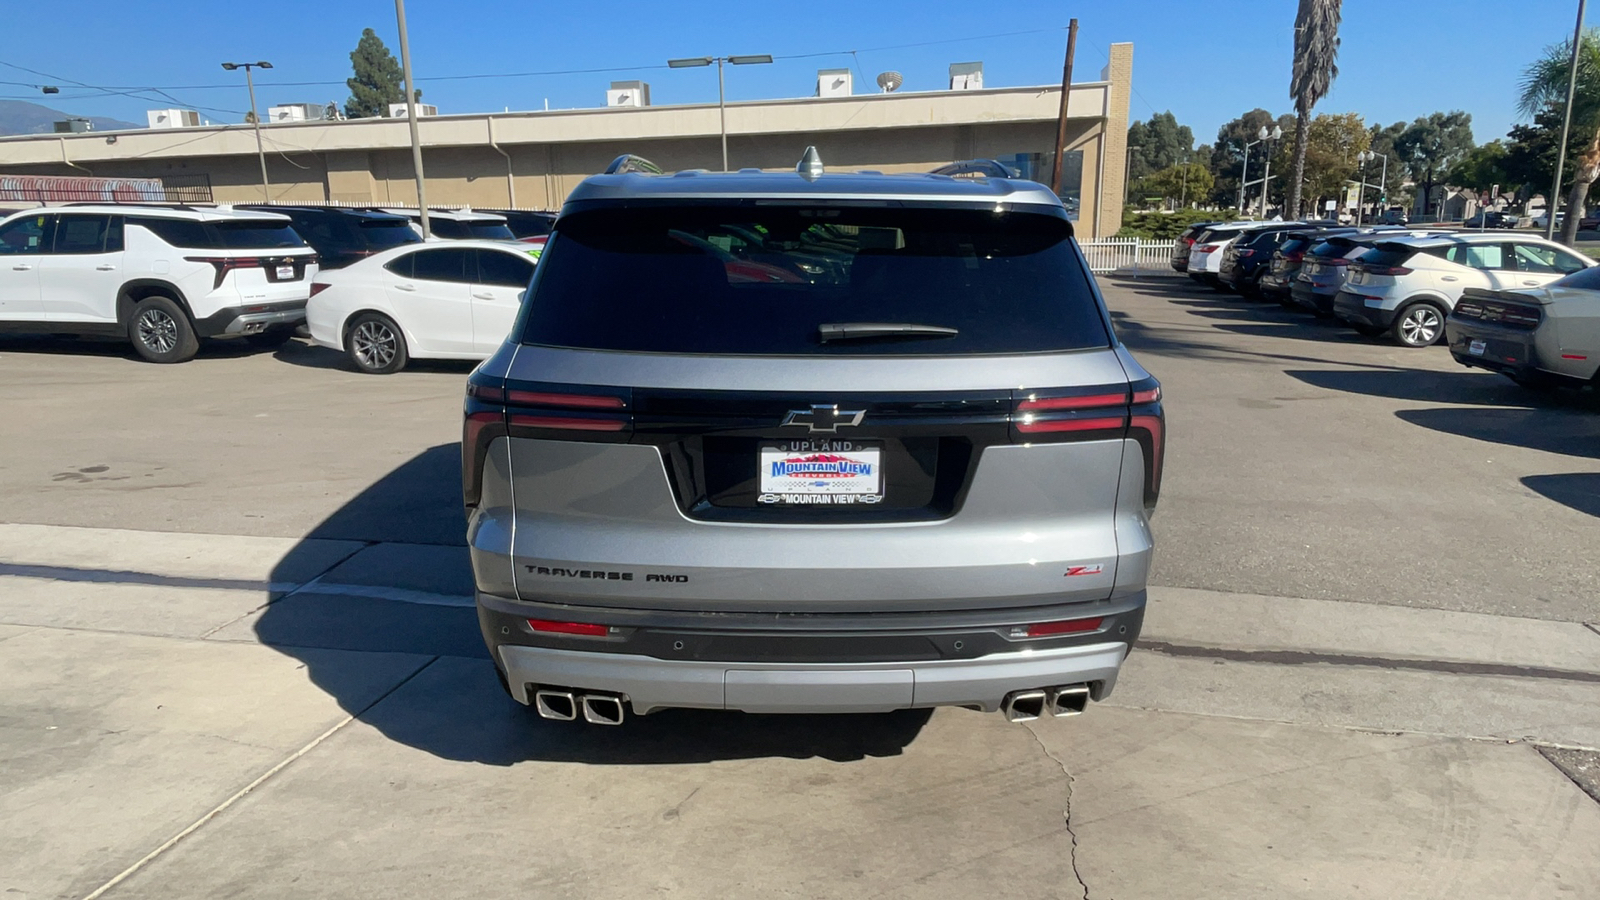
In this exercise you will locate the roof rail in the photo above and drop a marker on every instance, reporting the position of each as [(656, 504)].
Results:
[(976, 168), (627, 163)]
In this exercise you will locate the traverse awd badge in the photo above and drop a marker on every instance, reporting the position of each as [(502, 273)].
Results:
[(824, 418)]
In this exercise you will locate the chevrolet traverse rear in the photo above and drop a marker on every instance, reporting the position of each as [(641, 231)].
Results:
[(810, 442)]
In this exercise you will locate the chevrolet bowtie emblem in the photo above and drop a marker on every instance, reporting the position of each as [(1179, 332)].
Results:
[(824, 418)]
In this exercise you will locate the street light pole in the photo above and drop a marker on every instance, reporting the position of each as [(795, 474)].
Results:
[(255, 118), (411, 115), (1244, 173), (1566, 123), (1266, 176), (722, 99)]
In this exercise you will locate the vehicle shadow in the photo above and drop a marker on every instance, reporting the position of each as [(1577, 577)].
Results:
[(1578, 490), (404, 587), (1427, 386), (315, 356), (111, 347), (1567, 432)]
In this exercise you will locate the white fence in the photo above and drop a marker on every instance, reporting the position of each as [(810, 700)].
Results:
[(1112, 254)]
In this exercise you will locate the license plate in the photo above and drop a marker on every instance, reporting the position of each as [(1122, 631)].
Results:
[(820, 472), (286, 273), (1476, 348)]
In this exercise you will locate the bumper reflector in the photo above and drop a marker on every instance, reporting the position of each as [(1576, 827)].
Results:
[(1048, 629), (585, 629)]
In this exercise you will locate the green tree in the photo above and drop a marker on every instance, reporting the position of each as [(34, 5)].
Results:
[(1228, 153), (1544, 86), (1316, 51), (1430, 145), (1182, 183), (1530, 160), (1481, 168), (1162, 142), (1332, 142), (378, 81)]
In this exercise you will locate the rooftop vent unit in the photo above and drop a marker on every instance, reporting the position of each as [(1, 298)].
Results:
[(967, 76), (74, 126), (398, 110), (172, 118), (628, 93), (833, 83), (299, 112)]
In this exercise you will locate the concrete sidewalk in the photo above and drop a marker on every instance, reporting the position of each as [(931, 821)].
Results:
[(310, 718)]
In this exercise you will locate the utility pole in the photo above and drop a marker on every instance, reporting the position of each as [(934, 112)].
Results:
[(411, 114), (1566, 124), (1061, 118)]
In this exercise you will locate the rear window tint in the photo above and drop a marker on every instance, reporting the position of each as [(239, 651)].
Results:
[(1332, 248), (1387, 256), (1294, 245), (1585, 279), (241, 234), (388, 232), (761, 281), (457, 230)]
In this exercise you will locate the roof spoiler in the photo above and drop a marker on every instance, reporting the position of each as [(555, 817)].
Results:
[(628, 163), (976, 168)]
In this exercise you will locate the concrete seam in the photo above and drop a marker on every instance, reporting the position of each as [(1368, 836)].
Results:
[(1066, 814), (1313, 657), (271, 600), (260, 780), (1592, 627)]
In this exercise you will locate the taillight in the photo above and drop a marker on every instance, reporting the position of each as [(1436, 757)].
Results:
[(1247, 253), (226, 264), (1133, 412), (318, 287), (1294, 257), (1522, 315), (1385, 270), (1207, 248), (551, 412)]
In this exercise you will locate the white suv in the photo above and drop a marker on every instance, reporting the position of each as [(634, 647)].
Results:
[(163, 277), (1408, 285)]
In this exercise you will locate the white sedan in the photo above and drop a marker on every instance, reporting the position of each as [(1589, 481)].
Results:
[(422, 301)]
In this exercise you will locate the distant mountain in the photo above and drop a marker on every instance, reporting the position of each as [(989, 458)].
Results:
[(22, 117)]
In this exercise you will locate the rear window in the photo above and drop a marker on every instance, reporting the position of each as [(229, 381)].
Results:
[(458, 230), (1294, 245), (763, 281), (388, 232), (1584, 279), (1332, 248), (239, 234), (1387, 256)]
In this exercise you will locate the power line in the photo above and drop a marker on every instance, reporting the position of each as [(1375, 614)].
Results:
[(133, 90)]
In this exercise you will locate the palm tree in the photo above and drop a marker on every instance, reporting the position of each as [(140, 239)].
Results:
[(1316, 48), (1544, 87)]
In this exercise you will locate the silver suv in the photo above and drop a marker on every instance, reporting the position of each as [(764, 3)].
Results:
[(808, 442)]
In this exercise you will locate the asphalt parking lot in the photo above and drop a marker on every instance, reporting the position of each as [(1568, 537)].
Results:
[(239, 661)]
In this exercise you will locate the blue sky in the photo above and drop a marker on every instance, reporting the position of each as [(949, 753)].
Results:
[(1207, 62)]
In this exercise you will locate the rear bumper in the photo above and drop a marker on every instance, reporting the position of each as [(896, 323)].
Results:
[(649, 684), (1315, 297), (1352, 307), (809, 664), (1510, 351), (251, 318)]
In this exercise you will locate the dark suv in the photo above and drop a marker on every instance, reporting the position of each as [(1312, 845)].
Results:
[(1249, 258), (912, 466), (526, 223), (342, 236)]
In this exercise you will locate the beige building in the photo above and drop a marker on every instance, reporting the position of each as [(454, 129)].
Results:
[(533, 159)]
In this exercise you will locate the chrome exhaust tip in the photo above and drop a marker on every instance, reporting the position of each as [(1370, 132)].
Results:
[(1068, 700), (558, 705), (601, 709), (1023, 706)]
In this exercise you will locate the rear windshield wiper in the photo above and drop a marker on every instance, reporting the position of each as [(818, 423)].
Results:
[(850, 331)]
